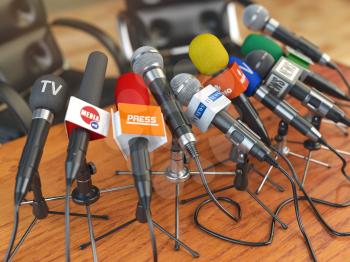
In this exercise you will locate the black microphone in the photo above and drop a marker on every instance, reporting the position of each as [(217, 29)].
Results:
[(90, 91), (257, 18), (283, 77), (204, 106), (148, 62), (48, 98)]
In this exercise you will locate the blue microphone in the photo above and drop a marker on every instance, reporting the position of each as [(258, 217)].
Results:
[(253, 77)]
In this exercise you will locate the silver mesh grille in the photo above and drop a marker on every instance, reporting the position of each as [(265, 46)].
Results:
[(145, 57), (255, 17), (185, 86)]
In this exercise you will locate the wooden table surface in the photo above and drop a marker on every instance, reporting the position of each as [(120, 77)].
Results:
[(46, 241)]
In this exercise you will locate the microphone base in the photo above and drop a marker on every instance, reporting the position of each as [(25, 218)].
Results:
[(86, 198)]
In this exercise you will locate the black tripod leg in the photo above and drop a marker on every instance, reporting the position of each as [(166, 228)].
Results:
[(23, 238), (188, 200), (177, 215), (85, 245), (103, 217), (194, 254), (283, 225)]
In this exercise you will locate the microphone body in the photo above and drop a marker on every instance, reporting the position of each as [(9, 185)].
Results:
[(90, 91), (141, 169), (148, 63), (48, 97), (257, 18)]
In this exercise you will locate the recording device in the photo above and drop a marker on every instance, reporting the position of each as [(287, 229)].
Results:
[(147, 62), (257, 18), (282, 79), (207, 107), (48, 98), (255, 42), (138, 129), (90, 92), (211, 62)]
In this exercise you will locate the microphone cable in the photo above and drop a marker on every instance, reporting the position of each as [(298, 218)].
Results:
[(341, 74), (153, 237), (342, 159), (271, 235), (13, 233), (194, 153), (67, 219)]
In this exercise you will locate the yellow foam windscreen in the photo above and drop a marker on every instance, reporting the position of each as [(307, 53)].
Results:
[(208, 54)]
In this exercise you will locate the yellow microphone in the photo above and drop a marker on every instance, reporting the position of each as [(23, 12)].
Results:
[(210, 58)]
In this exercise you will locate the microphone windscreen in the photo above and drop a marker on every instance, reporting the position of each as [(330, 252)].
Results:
[(49, 92), (255, 17), (208, 54), (92, 83), (185, 86), (146, 57), (260, 42), (261, 62), (131, 89)]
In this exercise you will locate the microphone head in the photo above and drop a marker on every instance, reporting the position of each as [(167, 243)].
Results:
[(208, 54), (146, 57), (255, 17), (260, 61), (131, 89), (260, 42), (49, 92), (185, 86)]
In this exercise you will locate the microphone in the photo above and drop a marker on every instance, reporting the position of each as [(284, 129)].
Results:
[(138, 129), (282, 79), (255, 42), (48, 98), (207, 106), (91, 121), (147, 62), (257, 18), (211, 58)]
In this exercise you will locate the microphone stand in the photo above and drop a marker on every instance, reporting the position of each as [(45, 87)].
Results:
[(282, 147), (314, 146), (176, 173), (41, 211)]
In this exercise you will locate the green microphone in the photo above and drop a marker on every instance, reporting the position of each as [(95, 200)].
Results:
[(254, 42)]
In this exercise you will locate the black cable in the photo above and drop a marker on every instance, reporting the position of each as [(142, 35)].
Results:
[(320, 201), (153, 237), (341, 74), (67, 219), (13, 234), (344, 164), (211, 195)]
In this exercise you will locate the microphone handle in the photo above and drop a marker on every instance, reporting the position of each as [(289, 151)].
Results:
[(32, 153), (171, 109), (298, 43), (141, 169), (249, 116), (325, 86), (287, 113), (240, 136)]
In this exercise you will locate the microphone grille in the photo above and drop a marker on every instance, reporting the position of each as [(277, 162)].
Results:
[(255, 17), (49, 92), (185, 86), (260, 61), (144, 58)]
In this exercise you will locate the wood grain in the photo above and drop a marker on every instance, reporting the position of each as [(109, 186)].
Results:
[(46, 242)]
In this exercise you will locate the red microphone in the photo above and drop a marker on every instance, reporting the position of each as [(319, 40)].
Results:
[(131, 89)]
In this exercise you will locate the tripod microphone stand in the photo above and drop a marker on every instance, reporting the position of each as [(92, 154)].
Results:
[(41, 211), (240, 183), (176, 173), (282, 147)]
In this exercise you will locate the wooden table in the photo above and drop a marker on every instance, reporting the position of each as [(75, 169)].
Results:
[(46, 241)]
